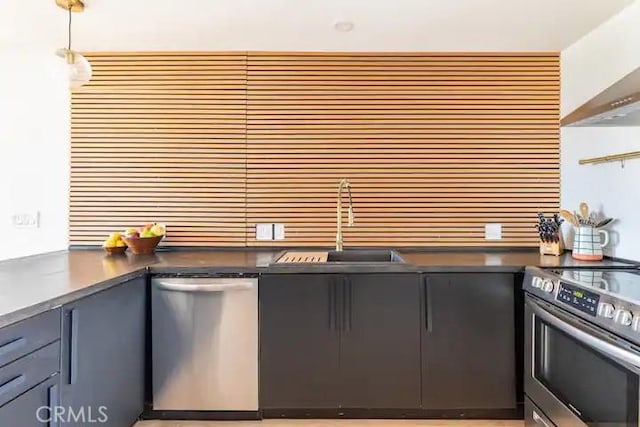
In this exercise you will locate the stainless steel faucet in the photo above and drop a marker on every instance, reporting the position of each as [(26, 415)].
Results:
[(343, 184)]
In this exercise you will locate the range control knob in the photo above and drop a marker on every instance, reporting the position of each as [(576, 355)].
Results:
[(623, 317), (536, 282), (636, 323), (547, 286), (606, 310)]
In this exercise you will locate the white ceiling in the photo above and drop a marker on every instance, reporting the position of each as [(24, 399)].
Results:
[(391, 25)]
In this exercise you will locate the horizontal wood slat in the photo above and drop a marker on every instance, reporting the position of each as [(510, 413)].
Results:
[(156, 137), (434, 144)]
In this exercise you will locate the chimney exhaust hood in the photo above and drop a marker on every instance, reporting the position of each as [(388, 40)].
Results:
[(618, 105)]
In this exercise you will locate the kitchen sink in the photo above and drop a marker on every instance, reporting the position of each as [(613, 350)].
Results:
[(365, 256)]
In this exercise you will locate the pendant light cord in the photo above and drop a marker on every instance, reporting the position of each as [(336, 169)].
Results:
[(69, 32)]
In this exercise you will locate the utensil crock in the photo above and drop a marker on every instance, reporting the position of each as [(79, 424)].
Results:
[(587, 243)]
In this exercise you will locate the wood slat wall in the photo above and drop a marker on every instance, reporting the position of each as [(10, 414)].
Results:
[(161, 136), (435, 145)]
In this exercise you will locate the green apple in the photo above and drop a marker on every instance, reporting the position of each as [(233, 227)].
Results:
[(158, 230)]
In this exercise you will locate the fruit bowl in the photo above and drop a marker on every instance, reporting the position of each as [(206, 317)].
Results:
[(116, 250), (142, 245)]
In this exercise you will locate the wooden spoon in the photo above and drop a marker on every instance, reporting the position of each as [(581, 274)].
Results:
[(584, 210), (569, 217)]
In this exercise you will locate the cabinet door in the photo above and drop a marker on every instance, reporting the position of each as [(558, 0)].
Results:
[(103, 351), (33, 408), (380, 341), (468, 353), (299, 341)]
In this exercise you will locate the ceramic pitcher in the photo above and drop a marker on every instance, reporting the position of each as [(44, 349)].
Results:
[(587, 243)]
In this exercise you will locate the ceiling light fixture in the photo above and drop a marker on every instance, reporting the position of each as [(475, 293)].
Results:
[(78, 67), (344, 26)]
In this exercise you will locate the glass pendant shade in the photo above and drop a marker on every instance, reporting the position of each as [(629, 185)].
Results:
[(78, 68)]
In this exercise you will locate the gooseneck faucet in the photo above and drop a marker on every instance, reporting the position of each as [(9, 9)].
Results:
[(343, 184)]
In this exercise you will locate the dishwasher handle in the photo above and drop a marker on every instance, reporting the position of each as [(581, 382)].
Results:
[(205, 285)]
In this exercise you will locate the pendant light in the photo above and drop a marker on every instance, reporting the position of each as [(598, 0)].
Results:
[(78, 67)]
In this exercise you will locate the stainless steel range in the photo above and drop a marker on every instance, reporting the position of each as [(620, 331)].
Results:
[(582, 347)]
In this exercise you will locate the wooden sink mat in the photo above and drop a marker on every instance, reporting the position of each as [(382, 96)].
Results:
[(297, 257)]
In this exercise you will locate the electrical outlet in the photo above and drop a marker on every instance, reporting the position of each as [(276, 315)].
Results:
[(493, 231), (27, 219), (264, 231)]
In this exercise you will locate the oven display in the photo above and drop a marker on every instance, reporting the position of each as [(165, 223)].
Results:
[(585, 301)]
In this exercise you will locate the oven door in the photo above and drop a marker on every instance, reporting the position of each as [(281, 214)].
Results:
[(578, 374)]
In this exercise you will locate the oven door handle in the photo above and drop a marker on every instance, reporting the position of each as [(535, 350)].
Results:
[(589, 340)]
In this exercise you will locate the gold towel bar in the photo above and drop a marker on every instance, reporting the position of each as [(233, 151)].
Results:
[(611, 158)]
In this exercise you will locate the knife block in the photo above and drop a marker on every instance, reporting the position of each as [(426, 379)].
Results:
[(556, 248)]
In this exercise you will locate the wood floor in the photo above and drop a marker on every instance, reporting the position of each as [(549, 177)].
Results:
[(335, 423)]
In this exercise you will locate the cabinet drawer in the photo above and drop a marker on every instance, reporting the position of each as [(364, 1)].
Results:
[(32, 408), (21, 375), (28, 335)]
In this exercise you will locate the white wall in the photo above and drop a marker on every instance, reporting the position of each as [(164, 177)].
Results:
[(607, 188), (600, 58), (34, 148), (589, 66), (291, 25)]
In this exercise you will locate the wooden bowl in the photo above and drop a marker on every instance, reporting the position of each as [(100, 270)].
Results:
[(143, 245), (116, 250)]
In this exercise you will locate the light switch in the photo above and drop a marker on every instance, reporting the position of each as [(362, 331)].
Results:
[(264, 231), (493, 231), (278, 231), (27, 219)]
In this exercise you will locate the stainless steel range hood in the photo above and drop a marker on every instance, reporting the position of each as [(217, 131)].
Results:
[(618, 105)]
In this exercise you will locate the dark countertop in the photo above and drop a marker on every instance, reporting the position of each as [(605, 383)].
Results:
[(203, 262), (32, 285), (513, 261)]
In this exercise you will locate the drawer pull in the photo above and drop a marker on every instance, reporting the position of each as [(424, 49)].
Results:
[(54, 402), (73, 346), (12, 346), (11, 384), (428, 312)]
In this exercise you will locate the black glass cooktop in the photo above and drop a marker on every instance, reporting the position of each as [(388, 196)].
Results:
[(623, 284)]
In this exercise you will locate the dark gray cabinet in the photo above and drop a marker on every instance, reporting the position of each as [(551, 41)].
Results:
[(340, 341), (29, 365), (103, 354), (32, 408), (380, 341), (468, 343), (19, 376), (22, 338), (299, 341)]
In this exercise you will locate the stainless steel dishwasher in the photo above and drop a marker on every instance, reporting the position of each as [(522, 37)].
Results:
[(205, 343)]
